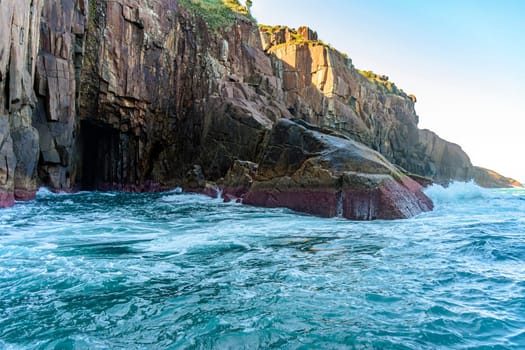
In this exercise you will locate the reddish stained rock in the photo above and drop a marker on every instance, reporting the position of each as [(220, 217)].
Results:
[(24, 195), (7, 199), (371, 197), (233, 194), (320, 202), (325, 175)]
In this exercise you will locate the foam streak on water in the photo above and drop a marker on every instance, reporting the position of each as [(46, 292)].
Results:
[(178, 271)]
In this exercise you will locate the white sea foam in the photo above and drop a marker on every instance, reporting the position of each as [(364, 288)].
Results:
[(188, 197), (176, 190), (44, 192), (458, 192)]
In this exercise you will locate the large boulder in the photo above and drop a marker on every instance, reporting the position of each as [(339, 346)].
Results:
[(238, 180), (326, 175)]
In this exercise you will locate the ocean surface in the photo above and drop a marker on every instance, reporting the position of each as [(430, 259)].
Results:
[(179, 271)]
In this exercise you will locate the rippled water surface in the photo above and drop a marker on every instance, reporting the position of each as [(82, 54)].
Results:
[(180, 271)]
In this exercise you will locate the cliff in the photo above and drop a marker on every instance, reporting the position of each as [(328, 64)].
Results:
[(40, 64), (144, 96), (322, 86)]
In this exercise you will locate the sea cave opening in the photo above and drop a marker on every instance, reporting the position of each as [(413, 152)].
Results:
[(100, 153)]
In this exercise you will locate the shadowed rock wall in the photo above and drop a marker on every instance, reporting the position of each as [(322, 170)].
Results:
[(57, 83), (19, 41), (170, 93)]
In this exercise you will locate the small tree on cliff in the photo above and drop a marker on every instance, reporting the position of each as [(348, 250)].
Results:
[(249, 4)]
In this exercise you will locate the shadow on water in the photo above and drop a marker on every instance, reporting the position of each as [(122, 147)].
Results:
[(107, 249)]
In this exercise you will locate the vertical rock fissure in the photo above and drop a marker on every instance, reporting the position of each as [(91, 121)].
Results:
[(340, 203)]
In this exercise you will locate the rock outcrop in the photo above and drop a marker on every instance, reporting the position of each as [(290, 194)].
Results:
[(149, 95), (238, 180), (325, 175), (59, 66), (491, 179), (322, 86)]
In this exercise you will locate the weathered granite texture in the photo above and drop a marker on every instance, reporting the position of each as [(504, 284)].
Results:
[(325, 175), (59, 66)]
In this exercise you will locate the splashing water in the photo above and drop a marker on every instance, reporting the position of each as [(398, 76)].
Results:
[(458, 192), (157, 271)]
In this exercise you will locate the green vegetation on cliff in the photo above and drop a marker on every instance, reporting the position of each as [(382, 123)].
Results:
[(382, 81), (217, 13), (295, 37)]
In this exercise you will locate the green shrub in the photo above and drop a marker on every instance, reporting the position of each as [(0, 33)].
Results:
[(217, 13), (381, 81)]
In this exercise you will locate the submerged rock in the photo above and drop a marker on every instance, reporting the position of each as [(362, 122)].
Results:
[(325, 175)]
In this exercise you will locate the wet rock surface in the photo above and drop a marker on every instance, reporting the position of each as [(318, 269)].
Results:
[(308, 171)]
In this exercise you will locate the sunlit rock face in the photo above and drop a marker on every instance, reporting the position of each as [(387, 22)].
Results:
[(323, 87), (132, 95), (490, 178)]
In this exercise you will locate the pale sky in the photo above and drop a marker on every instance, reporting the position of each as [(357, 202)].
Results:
[(463, 59)]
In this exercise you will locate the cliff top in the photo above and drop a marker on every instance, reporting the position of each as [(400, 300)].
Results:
[(223, 14), (282, 35), (218, 13)]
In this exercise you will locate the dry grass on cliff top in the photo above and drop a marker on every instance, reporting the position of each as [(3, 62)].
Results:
[(296, 38), (381, 81), (217, 13)]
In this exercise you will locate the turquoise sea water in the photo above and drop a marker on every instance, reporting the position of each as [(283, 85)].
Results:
[(179, 271)]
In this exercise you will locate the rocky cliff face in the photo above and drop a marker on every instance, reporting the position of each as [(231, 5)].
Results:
[(18, 138), (146, 95), (40, 63), (164, 92), (57, 85), (323, 87), (491, 179)]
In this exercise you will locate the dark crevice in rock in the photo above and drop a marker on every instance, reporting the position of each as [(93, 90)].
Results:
[(100, 156)]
